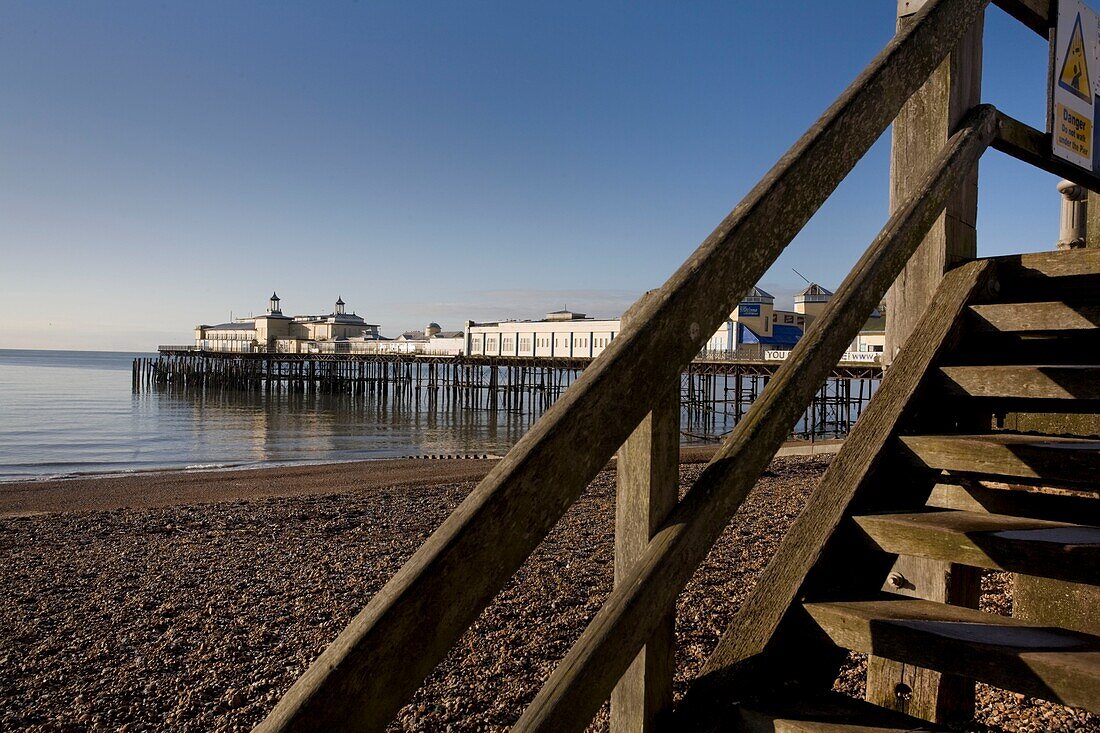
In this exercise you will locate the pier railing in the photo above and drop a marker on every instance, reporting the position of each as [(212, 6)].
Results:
[(623, 401)]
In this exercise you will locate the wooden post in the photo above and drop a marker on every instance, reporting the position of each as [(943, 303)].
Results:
[(1092, 229), (920, 131), (647, 479), (922, 128), (924, 693)]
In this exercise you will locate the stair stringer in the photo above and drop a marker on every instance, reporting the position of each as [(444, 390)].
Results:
[(772, 646)]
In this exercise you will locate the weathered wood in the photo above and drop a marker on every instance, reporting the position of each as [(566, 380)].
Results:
[(901, 687), (1050, 663), (584, 678), (999, 542), (1063, 382), (1035, 14), (1024, 501), (1028, 145), (990, 347), (1053, 602), (930, 694), (1024, 272), (1019, 456), (647, 489), (849, 475), (1092, 220), (375, 664), (831, 713), (1043, 317), (921, 129)]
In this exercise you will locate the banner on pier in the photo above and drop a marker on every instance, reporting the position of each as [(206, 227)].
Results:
[(1075, 76), (868, 357)]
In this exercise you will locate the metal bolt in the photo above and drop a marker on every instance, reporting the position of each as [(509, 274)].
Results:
[(903, 692), (896, 579)]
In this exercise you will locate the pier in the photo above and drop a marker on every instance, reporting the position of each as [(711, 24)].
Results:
[(715, 393)]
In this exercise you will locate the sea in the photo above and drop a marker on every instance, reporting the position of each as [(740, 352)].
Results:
[(66, 414), (74, 413)]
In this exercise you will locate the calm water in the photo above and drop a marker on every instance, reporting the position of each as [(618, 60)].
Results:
[(64, 413)]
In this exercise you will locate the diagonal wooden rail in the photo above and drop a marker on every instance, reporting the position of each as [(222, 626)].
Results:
[(583, 680), (375, 664)]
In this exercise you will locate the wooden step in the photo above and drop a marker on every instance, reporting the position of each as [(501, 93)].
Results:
[(1063, 275), (982, 348), (993, 497), (1052, 382), (1045, 662), (1050, 316), (829, 713), (1031, 546), (1004, 454)]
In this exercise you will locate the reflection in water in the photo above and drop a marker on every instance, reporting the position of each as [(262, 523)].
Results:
[(63, 413), (282, 427), (66, 413)]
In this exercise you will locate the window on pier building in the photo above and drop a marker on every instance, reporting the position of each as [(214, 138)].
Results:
[(525, 344), (508, 344)]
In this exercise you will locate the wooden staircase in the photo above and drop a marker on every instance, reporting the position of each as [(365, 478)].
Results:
[(964, 461), (947, 493)]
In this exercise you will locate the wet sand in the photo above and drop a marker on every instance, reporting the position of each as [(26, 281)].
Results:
[(174, 488)]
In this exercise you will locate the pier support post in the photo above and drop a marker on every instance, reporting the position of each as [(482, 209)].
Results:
[(647, 479), (920, 131)]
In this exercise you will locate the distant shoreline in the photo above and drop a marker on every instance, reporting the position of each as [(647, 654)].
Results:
[(201, 486)]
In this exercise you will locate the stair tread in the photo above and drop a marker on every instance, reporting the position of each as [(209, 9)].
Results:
[(1039, 317), (1054, 382), (829, 713), (1074, 460), (1041, 661), (1061, 550)]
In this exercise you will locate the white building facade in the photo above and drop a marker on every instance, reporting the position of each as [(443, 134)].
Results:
[(562, 334)]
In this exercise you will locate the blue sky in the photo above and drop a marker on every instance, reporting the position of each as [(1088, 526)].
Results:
[(164, 164)]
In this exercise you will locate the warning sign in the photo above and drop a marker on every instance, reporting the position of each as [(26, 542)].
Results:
[(1075, 67), (1072, 132), (1075, 71)]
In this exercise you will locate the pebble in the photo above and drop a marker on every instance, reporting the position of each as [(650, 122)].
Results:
[(198, 618)]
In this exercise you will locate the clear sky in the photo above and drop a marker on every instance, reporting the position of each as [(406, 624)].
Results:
[(167, 163)]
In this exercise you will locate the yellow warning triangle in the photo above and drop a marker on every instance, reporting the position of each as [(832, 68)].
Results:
[(1075, 69)]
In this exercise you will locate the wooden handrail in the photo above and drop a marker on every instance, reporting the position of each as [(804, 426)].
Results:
[(374, 665), (1027, 144), (1035, 14), (585, 677)]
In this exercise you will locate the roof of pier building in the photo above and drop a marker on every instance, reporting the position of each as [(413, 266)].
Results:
[(552, 317), (565, 315), (813, 293), (234, 326), (781, 335), (758, 295), (346, 318), (419, 335)]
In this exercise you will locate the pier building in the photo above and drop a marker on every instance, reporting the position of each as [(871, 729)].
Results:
[(274, 331), (757, 326), (754, 328), (561, 333)]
